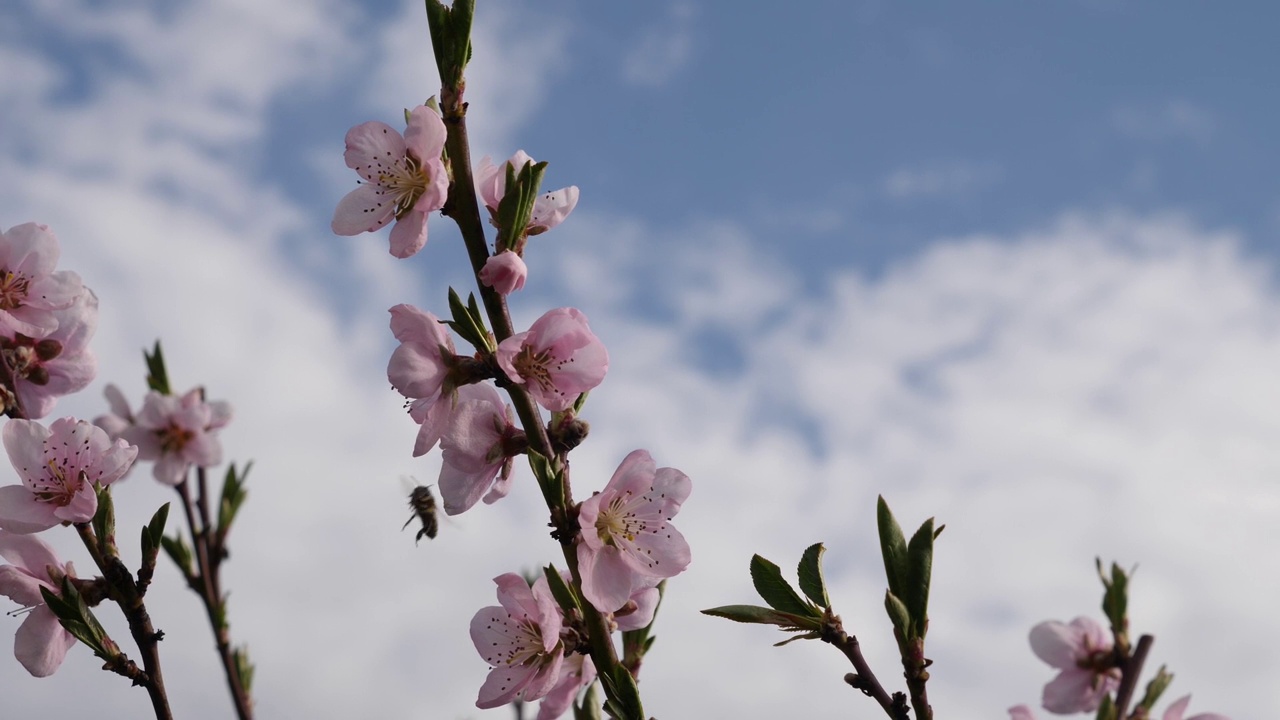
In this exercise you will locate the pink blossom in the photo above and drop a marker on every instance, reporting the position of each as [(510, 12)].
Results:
[(404, 179), (41, 642), (556, 359), (646, 598), (1081, 651), (30, 290), (1176, 710), (418, 368), (576, 672), (472, 449), (178, 432), (57, 363), (520, 640), (627, 539), (549, 210), (1021, 712), (120, 417), (504, 272), (59, 466)]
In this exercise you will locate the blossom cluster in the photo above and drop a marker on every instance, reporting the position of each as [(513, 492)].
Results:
[(625, 544), (47, 317), (1082, 652)]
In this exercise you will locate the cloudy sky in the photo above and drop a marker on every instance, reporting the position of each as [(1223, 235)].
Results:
[(1011, 265)]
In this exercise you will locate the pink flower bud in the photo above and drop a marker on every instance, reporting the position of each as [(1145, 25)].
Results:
[(504, 272)]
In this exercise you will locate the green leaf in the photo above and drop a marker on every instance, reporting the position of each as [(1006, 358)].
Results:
[(812, 635), (919, 570), (893, 546), (153, 535), (178, 551), (1155, 689), (561, 591), (233, 496), (516, 207), (1115, 600), (244, 668), (1107, 710), (104, 521), (898, 613), (776, 591), (157, 375), (468, 323), (624, 696), (757, 615), (812, 582), (74, 615), (451, 38)]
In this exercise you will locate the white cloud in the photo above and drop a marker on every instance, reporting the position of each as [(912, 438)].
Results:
[(662, 49), (1100, 386), (1177, 119), (517, 53), (940, 180)]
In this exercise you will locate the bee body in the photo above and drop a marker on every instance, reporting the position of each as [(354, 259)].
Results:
[(424, 509)]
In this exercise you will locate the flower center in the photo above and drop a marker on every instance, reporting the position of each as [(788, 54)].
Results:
[(534, 367), (58, 487), (406, 181), (13, 289), (174, 438), (617, 522)]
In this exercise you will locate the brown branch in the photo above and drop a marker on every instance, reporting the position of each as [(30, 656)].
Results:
[(1130, 672), (122, 590), (863, 678)]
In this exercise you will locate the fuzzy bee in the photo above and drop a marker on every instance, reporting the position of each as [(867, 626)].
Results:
[(424, 509)]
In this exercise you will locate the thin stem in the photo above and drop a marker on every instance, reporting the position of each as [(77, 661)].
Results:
[(207, 587), (863, 679), (1130, 673), (463, 207), (122, 590)]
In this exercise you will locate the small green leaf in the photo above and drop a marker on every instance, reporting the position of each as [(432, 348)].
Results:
[(157, 375), (74, 615), (467, 322), (244, 668), (560, 590), (919, 570), (451, 38), (516, 207), (623, 696), (812, 635), (812, 583), (233, 496), (153, 535), (893, 546), (178, 551), (104, 521), (1155, 689), (1107, 710), (776, 591), (757, 615), (898, 613)]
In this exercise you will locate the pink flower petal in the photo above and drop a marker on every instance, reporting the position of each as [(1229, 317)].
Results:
[(372, 147), (410, 233), (606, 577), (41, 643), (364, 209), (21, 513), (424, 135)]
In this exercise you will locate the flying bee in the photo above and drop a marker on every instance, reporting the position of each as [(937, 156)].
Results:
[(424, 509)]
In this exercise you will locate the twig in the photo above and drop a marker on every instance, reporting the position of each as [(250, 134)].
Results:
[(1130, 673), (124, 592)]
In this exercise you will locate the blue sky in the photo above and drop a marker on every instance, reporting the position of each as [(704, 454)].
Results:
[(1012, 265)]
